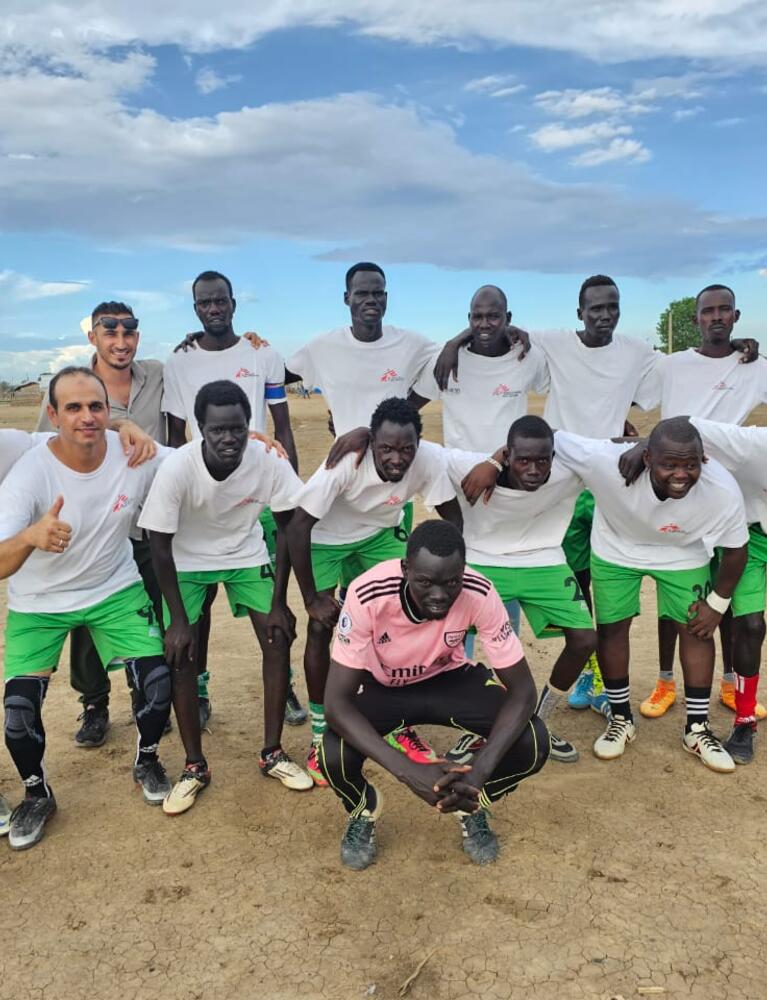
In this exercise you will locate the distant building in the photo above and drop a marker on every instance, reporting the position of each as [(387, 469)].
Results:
[(27, 392)]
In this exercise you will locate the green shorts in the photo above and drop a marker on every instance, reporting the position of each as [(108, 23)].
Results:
[(550, 596), (269, 527), (407, 518), (577, 540), (749, 595), (123, 627), (246, 589), (340, 564), (616, 590)]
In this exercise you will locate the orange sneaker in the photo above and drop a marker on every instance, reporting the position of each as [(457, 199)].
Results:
[(660, 701), (727, 698)]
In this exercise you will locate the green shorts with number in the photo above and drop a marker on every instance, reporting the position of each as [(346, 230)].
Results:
[(550, 596), (123, 627), (616, 590), (269, 527), (749, 596), (577, 540), (340, 564), (246, 589)]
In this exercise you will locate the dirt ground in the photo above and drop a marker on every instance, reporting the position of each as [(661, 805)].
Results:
[(636, 878)]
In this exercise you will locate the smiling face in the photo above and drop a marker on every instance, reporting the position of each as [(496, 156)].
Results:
[(81, 415), (366, 297), (674, 467), (394, 447), (225, 436), (115, 346), (433, 582), (488, 319)]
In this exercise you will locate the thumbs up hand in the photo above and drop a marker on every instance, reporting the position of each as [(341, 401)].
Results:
[(49, 534)]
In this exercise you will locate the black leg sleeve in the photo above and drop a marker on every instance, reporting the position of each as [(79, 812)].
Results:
[(24, 732), (152, 692)]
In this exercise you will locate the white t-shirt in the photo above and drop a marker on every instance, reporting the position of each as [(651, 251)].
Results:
[(632, 527), (517, 527), (14, 444), (259, 373), (714, 388), (490, 394), (215, 523), (353, 504), (743, 452), (592, 388), (99, 506), (355, 376)]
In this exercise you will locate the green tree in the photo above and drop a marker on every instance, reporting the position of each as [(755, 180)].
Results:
[(685, 332)]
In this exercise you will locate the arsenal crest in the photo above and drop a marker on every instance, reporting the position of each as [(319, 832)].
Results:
[(455, 638)]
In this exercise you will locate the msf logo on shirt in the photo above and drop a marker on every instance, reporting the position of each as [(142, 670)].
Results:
[(723, 387), (672, 529), (505, 391), (391, 375), (121, 501), (244, 373), (393, 500)]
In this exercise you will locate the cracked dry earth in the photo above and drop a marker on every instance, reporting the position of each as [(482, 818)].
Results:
[(642, 877)]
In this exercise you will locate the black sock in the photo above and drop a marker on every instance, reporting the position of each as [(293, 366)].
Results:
[(618, 692), (151, 681), (696, 700), (24, 732)]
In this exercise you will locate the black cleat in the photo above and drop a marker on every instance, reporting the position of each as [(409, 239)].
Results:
[(28, 821), (562, 750), (95, 723), (153, 780), (295, 713), (740, 743), (206, 711), (358, 847)]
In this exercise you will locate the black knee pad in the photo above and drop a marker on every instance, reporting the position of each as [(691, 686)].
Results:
[(23, 704), (151, 676)]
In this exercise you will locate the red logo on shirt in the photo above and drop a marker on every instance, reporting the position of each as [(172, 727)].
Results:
[(390, 375), (120, 502), (504, 390), (393, 501), (722, 385), (244, 373), (671, 528), (246, 501)]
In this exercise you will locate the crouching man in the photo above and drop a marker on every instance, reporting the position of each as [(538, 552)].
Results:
[(398, 658)]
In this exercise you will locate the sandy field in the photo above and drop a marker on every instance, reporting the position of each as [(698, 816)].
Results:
[(641, 877)]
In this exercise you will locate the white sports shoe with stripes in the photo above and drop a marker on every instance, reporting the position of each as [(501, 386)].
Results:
[(701, 742), (613, 741)]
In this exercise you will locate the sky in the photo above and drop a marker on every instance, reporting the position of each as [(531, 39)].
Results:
[(526, 144)]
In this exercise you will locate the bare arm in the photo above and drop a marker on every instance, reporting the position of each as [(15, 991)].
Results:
[(49, 534), (451, 511), (320, 606), (176, 431), (704, 619), (284, 432)]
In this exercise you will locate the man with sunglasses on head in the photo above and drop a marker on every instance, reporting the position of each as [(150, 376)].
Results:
[(135, 389)]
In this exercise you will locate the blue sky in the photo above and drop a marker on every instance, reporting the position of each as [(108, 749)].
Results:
[(527, 145)]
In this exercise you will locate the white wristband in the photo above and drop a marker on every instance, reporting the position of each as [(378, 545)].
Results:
[(496, 464), (717, 602)]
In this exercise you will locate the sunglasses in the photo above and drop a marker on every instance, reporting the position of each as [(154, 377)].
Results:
[(110, 323)]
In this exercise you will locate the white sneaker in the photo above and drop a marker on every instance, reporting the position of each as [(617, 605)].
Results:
[(278, 765), (5, 817), (612, 743), (702, 742)]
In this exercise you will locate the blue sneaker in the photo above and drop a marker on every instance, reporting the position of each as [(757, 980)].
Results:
[(580, 696)]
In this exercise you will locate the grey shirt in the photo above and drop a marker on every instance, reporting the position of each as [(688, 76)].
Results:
[(143, 404)]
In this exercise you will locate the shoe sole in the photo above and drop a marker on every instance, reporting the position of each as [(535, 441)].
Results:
[(564, 759), (599, 756), (579, 708), (740, 760), (145, 797), (295, 720), (716, 770)]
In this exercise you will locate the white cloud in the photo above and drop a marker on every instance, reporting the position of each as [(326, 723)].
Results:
[(509, 91), (729, 122), (25, 289), (763, 272), (617, 149), (681, 114), (495, 86), (583, 103), (298, 171), (556, 136), (208, 80), (634, 29)]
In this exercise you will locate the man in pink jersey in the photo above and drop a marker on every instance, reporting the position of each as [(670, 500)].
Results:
[(398, 658)]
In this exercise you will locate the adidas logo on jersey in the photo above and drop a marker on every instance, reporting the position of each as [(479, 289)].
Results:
[(383, 639)]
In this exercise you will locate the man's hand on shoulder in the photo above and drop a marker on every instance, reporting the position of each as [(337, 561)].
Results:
[(189, 343), (138, 446), (746, 346)]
